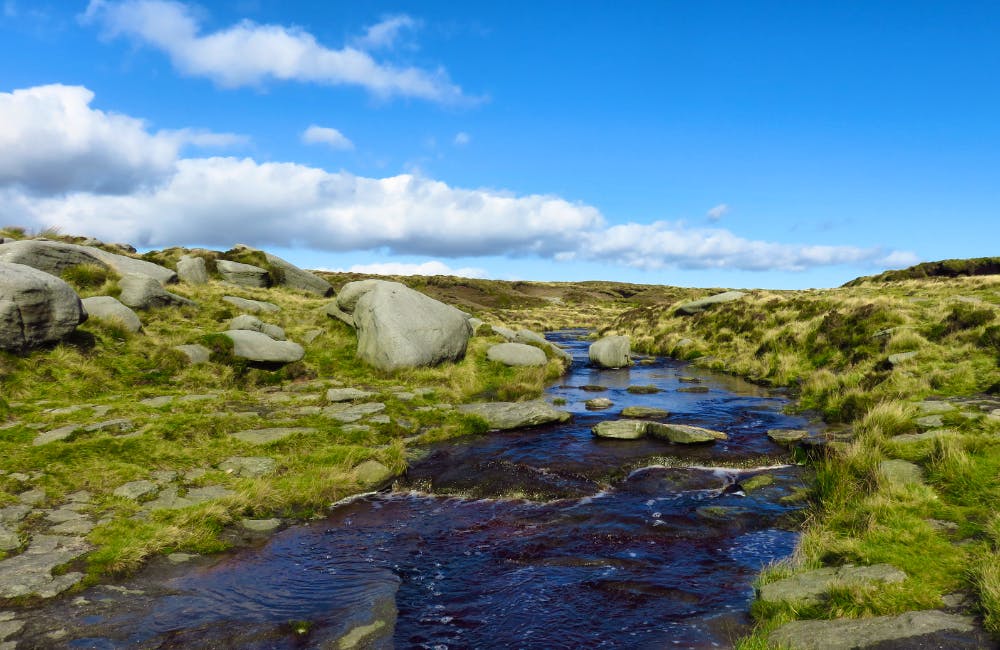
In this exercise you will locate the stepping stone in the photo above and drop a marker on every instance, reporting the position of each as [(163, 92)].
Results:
[(893, 631), (208, 493), (598, 403), (809, 587), (644, 412), (929, 422), (63, 515), (935, 407), (249, 466), (593, 388), (267, 436), (405, 396), (164, 476), (620, 429), (347, 394), (689, 380), (380, 419), (135, 490), (74, 527), (355, 428), (515, 415), (260, 525), (9, 539), (32, 497), (683, 434), (785, 436), (14, 514)]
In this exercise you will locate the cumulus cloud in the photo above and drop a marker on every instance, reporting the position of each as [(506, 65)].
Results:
[(52, 141), (65, 164), (716, 213), (385, 34), (433, 267), (250, 54), (328, 136)]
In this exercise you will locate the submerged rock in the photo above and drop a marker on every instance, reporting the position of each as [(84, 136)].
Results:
[(35, 308), (515, 415)]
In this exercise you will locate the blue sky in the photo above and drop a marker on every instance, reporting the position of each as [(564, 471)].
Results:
[(740, 144)]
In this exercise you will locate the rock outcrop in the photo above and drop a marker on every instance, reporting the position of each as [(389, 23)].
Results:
[(55, 257), (35, 307), (289, 275), (107, 308), (611, 352), (244, 275)]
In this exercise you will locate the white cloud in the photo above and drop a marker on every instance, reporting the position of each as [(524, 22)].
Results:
[(462, 138), (328, 136), (52, 141), (433, 267), (386, 33), (717, 212), (92, 173), (249, 54)]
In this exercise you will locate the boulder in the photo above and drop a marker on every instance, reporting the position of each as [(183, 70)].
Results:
[(350, 293), (809, 587), (906, 630), (192, 270), (700, 305), (504, 332), (195, 353), (611, 352), (402, 328), (515, 415), (598, 403), (144, 292), (255, 346), (35, 307), (55, 257), (786, 436), (372, 472), (289, 275), (244, 275), (255, 306), (107, 308), (683, 434), (333, 310), (516, 354), (534, 338), (620, 429), (254, 324)]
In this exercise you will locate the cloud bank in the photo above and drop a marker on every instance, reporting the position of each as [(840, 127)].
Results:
[(249, 54), (107, 175)]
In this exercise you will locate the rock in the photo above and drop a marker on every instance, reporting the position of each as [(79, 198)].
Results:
[(913, 438), (30, 573), (180, 558), (9, 539), (249, 466), (13, 514), (683, 434), (693, 389), (700, 305), (267, 436), (402, 328), (598, 403), (929, 422), (35, 307), (372, 472), (475, 324), (74, 527), (515, 415), (157, 402), (516, 354), (786, 436), (642, 390), (689, 380), (333, 310), (350, 293), (168, 499), (893, 631), (260, 525), (254, 324), (935, 407), (107, 308), (55, 257), (593, 388), (195, 353), (289, 275), (644, 412), (135, 490), (757, 482), (611, 352), (244, 275), (503, 332), (809, 587), (32, 497), (620, 429), (55, 434), (119, 425), (311, 335), (347, 394), (900, 357), (143, 292), (353, 413), (208, 493), (192, 270), (262, 348), (372, 626), (254, 306), (901, 472), (164, 476)]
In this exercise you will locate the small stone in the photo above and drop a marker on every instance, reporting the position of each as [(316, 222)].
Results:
[(260, 525), (372, 472), (644, 412), (598, 403), (135, 490), (180, 558), (311, 335), (347, 394)]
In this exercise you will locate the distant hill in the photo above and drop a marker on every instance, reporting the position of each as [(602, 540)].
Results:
[(942, 269)]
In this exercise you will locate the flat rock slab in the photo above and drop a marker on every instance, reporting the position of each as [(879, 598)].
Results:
[(135, 490), (55, 434), (245, 275), (914, 438), (900, 358), (267, 436), (249, 466), (643, 390), (347, 394), (354, 413), (254, 306), (644, 412), (929, 422), (809, 587), (683, 434), (515, 415), (30, 573), (935, 407), (620, 429), (881, 631), (169, 498)]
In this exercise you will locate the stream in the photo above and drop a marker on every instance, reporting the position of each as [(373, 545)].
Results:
[(538, 538)]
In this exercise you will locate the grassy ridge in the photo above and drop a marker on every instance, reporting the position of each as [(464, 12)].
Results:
[(835, 349)]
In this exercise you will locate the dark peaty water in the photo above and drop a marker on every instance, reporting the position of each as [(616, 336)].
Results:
[(542, 538)]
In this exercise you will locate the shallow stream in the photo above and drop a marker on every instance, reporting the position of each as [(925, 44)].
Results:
[(541, 538)]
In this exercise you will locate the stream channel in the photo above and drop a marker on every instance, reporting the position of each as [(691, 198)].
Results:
[(537, 538)]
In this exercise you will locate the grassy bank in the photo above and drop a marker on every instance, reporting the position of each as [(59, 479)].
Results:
[(837, 349)]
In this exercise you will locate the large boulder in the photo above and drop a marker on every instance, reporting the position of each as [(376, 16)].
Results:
[(107, 308), (611, 352), (244, 275), (192, 270), (516, 354), (55, 257), (402, 328), (254, 324), (144, 292), (700, 305), (350, 293), (289, 275), (255, 346), (515, 415), (35, 307)]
